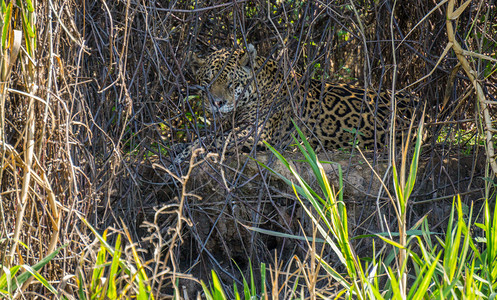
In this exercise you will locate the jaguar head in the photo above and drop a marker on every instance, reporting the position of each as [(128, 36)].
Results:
[(226, 80)]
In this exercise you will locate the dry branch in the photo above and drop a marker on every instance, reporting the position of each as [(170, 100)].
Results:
[(472, 74), (115, 93)]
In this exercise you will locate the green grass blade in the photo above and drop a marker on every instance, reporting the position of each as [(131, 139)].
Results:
[(235, 290), (6, 279), (447, 244), (393, 243), (286, 180), (37, 267), (218, 291), (376, 293), (322, 231), (395, 285), (398, 188), (142, 292), (304, 140), (253, 291), (419, 271), (207, 292), (333, 273), (29, 6), (284, 235), (103, 241), (425, 283), (469, 286), (246, 288), (99, 268), (7, 13), (112, 291), (491, 235), (411, 179), (340, 184), (81, 292), (263, 281), (453, 239), (466, 244), (38, 277)]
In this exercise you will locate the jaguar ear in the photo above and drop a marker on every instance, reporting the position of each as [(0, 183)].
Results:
[(249, 56), (195, 62)]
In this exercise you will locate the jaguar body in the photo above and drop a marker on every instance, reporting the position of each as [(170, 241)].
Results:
[(255, 100)]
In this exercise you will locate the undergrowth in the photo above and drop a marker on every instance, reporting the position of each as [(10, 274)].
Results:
[(412, 263), (94, 95)]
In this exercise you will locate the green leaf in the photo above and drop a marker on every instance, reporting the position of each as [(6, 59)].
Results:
[(389, 241), (37, 267), (284, 235), (411, 179), (263, 280), (398, 188), (425, 283), (29, 6), (395, 284), (208, 294), (112, 291), (99, 268), (235, 291), (38, 277), (252, 281), (81, 293), (6, 278), (142, 292), (7, 13), (333, 273), (218, 291), (27, 27), (287, 165)]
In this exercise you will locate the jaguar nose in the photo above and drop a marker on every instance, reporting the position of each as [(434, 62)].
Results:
[(218, 103)]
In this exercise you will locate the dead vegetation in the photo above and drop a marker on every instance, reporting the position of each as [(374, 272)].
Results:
[(90, 117)]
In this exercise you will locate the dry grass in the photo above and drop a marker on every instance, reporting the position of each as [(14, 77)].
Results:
[(89, 115)]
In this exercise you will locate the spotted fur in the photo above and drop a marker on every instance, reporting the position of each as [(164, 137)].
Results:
[(250, 96)]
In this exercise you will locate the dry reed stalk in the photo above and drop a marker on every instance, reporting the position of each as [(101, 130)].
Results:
[(33, 173)]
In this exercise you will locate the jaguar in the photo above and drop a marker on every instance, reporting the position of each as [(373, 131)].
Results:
[(253, 99)]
